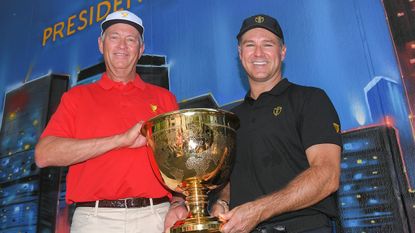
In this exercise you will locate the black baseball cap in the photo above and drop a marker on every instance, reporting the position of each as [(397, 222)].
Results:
[(261, 21)]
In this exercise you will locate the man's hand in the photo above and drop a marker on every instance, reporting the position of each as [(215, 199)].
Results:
[(241, 219), (133, 137), (218, 208), (176, 212)]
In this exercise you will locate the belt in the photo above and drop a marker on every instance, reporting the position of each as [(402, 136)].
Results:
[(295, 225), (124, 203)]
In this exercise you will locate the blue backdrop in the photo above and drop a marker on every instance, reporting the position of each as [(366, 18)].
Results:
[(339, 46)]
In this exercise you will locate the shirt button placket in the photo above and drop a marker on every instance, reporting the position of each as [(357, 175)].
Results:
[(124, 104), (252, 118)]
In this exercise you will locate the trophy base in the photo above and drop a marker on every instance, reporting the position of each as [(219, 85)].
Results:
[(199, 225)]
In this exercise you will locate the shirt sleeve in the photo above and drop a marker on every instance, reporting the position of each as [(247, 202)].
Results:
[(319, 122), (62, 122)]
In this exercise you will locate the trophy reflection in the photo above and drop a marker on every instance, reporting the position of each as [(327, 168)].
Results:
[(192, 154)]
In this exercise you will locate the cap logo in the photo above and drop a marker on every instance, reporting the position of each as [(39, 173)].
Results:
[(124, 14), (259, 19)]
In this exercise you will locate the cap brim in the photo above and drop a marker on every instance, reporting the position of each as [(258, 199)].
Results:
[(108, 23), (257, 26)]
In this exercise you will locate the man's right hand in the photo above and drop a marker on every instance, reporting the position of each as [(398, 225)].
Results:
[(133, 138), (61, 151)]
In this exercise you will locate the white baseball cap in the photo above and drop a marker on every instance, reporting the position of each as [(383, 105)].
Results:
[(123, 17)]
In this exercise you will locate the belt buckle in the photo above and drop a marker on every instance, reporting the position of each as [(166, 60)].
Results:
[(270, 229), (130, 203), (279, 228)]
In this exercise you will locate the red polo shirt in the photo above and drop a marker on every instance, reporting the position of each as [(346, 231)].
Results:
[(106, 108)]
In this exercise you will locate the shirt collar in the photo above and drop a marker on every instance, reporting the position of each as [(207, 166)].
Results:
[(107, 83), (278, 89)]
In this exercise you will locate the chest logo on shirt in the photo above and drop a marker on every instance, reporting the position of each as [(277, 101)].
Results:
[(277, 110), (336, 127), (153, 107)]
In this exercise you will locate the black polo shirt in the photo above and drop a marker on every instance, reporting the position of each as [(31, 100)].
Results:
[(275, 130)]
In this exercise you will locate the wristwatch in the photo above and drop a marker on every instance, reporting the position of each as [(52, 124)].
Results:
[(224, 204), (177, 203)]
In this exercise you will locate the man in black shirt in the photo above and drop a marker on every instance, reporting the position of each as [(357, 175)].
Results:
[(287, 164)]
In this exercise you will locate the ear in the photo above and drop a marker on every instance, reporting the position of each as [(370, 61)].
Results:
[(101, 45), (142, 47), (283, 52), (239, 52)]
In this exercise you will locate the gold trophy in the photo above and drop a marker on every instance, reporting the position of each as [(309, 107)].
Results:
[(192, 154)]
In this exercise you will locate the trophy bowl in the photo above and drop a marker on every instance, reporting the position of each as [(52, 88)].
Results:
[(192, 153)]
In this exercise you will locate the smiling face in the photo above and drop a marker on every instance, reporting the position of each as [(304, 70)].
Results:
[(121, 46), (261, 53)]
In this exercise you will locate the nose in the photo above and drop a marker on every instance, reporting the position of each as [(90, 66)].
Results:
[(258, 51), (122, 43)]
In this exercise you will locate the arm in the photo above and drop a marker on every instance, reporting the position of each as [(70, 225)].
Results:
[(59, 151), (311, 186)]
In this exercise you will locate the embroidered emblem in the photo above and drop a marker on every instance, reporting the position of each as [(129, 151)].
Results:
[(124, 14), (153, 107), (259, 19), (277, 110), (336, 127)]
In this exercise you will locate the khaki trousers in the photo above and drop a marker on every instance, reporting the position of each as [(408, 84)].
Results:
[(148, 219)]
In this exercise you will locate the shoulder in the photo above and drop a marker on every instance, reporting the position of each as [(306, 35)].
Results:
[(78, 95), (81, 89), (157, 90), (306, 94), (305, 90), (308, 99)]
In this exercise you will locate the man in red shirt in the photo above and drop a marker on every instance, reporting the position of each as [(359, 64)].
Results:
[(96, 132)]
